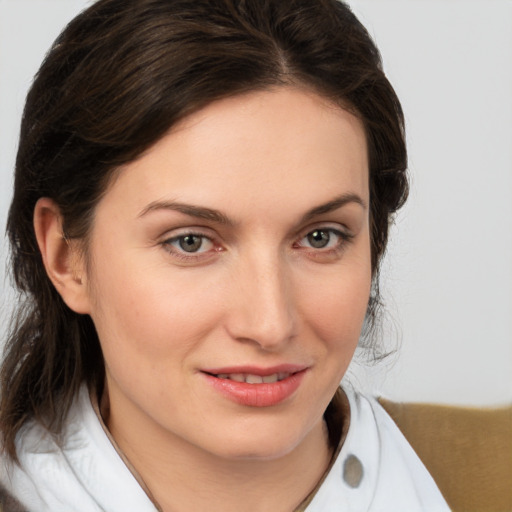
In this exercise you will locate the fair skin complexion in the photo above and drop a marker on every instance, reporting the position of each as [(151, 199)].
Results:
[(238, 244)]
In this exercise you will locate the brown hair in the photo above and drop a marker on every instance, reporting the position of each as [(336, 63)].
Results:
[(118, 77)]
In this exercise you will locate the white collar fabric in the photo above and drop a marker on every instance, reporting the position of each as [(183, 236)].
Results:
[(376, 470)]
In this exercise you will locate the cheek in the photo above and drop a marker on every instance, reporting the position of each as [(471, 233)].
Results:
[(336, 310), (139, 310)]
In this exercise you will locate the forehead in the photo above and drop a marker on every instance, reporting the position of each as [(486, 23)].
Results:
[(259, 147)]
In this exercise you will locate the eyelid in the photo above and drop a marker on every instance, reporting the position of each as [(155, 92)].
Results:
[(178, 232), (336, 227)]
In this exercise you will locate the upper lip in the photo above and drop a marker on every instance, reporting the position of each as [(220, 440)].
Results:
[(256, 370)]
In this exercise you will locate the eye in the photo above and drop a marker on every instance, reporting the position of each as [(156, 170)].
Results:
[(190, 243), (323, 238), (319, 239)]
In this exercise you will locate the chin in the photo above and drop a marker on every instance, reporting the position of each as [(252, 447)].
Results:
[(261, 442), (248, 452)]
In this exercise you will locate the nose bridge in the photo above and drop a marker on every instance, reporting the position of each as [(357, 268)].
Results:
[(263, 309)]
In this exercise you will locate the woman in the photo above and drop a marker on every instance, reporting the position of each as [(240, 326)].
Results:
[(202, 198)]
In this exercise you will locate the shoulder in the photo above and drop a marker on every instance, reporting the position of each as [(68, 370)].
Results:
[(17, 480), (43, 478), (23, 482), (374, 433), (376, 469), (78, 470)]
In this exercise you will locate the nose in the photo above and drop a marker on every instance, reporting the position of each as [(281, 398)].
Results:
[(263, 306)]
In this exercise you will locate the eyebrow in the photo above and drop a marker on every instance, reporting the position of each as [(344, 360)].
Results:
[(336, 203), (217, 216), (190, 210)]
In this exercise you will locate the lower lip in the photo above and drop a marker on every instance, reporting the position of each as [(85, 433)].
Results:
[(257, 395)]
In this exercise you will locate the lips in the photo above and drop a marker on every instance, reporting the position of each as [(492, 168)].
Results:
[(256, 387)]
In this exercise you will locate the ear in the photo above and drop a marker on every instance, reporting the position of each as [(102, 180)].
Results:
[(62, 258)]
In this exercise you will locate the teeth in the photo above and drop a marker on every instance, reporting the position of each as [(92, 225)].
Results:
[(253, 379)]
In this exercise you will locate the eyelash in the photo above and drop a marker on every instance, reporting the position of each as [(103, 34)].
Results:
[(344, 238)]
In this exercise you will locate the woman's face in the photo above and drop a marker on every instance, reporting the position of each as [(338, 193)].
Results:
[(229, 274)]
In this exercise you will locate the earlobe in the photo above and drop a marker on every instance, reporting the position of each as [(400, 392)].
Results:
[(62, 258)]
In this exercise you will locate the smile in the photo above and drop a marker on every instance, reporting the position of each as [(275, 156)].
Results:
[(255, 387)]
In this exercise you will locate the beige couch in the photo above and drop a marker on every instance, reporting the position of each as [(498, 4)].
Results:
[(468, 451)]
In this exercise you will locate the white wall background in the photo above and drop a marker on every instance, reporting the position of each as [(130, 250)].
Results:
[(448, 275)]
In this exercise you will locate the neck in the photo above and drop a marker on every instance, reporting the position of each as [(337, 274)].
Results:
[(179, 476), (249, 485)]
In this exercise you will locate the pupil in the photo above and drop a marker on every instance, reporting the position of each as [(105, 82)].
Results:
[(318, 239), (190, 243)]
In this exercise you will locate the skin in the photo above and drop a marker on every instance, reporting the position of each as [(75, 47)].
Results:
[(256, 292)]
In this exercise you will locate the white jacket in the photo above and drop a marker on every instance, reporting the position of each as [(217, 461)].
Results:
[(375, 470)]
